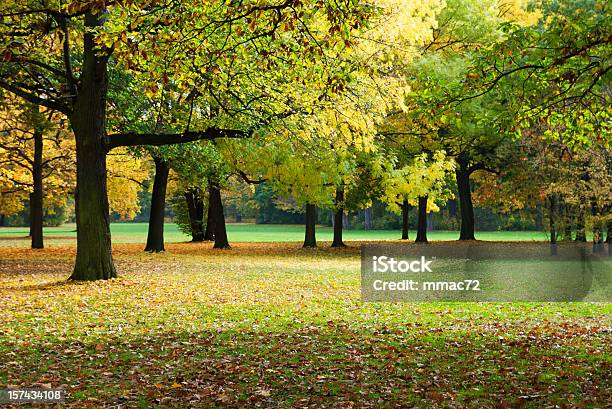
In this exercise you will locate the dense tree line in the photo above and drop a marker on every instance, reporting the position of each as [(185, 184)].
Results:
[(328, 105)]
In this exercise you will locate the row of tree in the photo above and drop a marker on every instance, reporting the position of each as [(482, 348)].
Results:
[(330, 104)]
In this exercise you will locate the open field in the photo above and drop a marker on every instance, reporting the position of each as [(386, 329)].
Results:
[(273, 325), (252, 233)]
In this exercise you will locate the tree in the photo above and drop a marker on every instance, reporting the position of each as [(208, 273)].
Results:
[(38, 43), (420, 183), (38, 158), (435, 115)]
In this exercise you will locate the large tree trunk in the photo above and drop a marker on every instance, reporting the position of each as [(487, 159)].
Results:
[(405, 212), (195, 209), (339, 202), (155, 236), (209, 233), (36, 197), (221, 241), (94, 259), (465, 201), (310, 239), (422, 221)]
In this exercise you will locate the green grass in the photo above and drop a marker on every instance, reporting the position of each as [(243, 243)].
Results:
[(254, 233), (273, 325)]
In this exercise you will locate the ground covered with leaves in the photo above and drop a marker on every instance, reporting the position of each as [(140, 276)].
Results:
[(272, 325)]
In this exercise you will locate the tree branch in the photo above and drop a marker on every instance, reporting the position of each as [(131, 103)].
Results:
[(134, 139), (246, 178), (35, 99), (70, 80)]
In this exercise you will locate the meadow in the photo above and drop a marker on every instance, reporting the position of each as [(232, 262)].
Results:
[(258, 233), (275, 325)]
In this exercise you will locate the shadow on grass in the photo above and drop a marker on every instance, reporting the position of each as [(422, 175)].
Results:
[(337, 365)]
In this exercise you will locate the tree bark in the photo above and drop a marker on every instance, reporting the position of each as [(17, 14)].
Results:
[(209, 233), (221, 241), (155, 236), (405, 219), (195, 209), (94, 259), (36, 197), (422, 221), (310, 239), (462, 175), (339, 202)]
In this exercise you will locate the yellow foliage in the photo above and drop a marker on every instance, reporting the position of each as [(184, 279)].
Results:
[(422, 177), (125, 178)]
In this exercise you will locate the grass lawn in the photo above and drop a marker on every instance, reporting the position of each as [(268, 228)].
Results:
[(253, 233), (274, 325)]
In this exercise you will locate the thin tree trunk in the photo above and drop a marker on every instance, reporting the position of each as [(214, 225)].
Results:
[(339, 202), (94, 259), (405, 219), (553, 212), (539, 223), (566, 216), (598, 242), (609, 237), (580, 225), (310, 239), (155, 236), (195, 209), (367, 218), (346, 223), (422, 221), (465, 202), (36, 197), (221, 241), (209, 233)]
